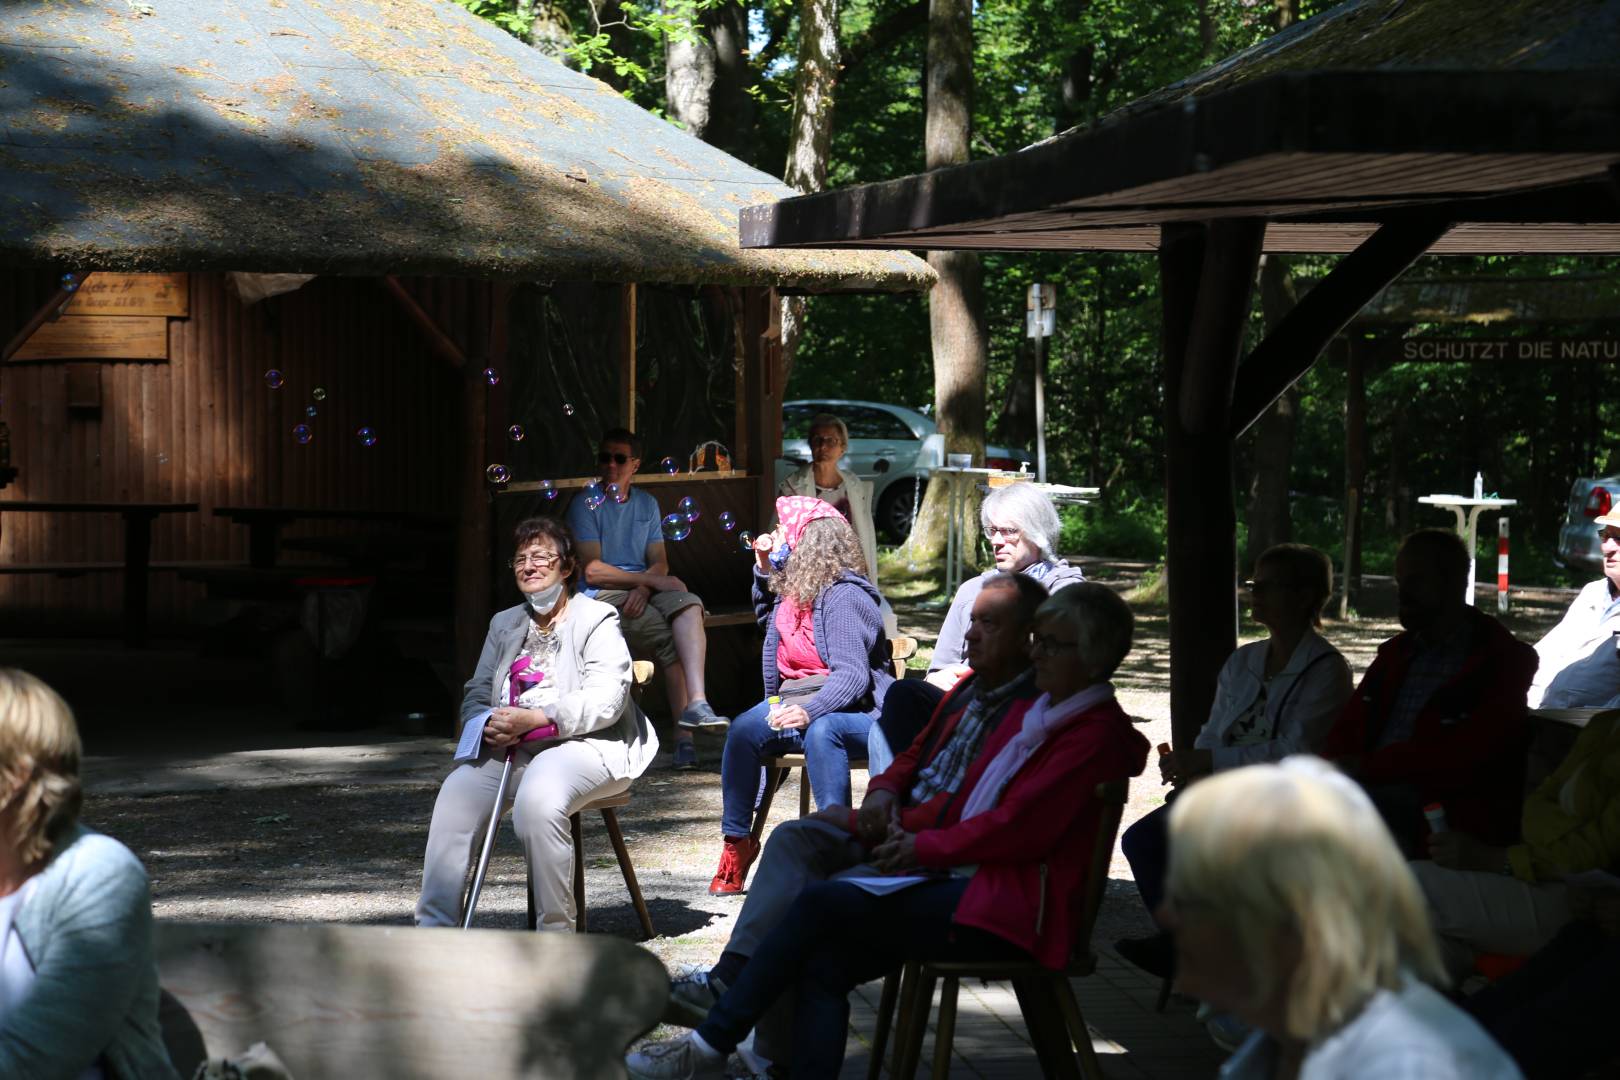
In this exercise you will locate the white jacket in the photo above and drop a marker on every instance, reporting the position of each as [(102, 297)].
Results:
[(1594, 618), (1306, 697), (803, 482)]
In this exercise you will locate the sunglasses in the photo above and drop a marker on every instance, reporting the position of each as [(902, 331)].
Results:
[(605, 456)]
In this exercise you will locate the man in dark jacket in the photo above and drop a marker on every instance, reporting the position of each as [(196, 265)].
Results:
[(1439, 716)]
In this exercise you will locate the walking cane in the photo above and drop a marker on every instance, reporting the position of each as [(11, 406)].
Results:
[(489, 839)]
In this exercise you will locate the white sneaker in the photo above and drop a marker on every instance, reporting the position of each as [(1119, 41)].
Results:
[(676, 1059), (692, 993)]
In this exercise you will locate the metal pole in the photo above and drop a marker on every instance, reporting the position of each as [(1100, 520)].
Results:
[(1502, 565), (1040, 404), (489, 840)]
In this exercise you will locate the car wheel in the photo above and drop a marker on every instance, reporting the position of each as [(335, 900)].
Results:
[(894, 509)]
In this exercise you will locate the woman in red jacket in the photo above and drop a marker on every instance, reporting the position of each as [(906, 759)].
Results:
[(1004, 882)]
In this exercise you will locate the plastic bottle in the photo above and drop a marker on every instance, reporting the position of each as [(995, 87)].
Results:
[(1435, 814), (775, 703), (1479, 485)]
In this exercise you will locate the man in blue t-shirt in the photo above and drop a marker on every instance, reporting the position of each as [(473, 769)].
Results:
[(621, 551)]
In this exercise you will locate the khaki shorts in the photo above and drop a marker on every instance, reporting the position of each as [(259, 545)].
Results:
[(648, 634)]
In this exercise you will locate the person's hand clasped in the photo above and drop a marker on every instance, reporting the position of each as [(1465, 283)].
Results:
[(1460, 851), (898, 853), (507, 725), (635, 601), (791, 718), (874, 817)]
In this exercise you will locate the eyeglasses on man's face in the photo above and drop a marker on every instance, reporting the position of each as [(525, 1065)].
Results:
[(1050, 646), (1607, 533), (1010, 533), (825, 440), (603, 457), (543, 560)]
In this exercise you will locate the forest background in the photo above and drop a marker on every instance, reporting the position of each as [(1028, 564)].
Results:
[(826, 93)]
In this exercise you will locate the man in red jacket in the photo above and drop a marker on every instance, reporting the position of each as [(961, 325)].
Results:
[(922, 787), (1004, 881), (1439, 716)]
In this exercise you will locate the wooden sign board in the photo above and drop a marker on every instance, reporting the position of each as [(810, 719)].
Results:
[(99, 337), (1486, 350), (133, 294)]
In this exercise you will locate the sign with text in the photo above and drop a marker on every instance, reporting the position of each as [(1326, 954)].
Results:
[(1446, 350), (99, 337), (132, 294)]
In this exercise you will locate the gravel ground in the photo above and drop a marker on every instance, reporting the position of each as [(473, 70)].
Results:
[(348, 848)]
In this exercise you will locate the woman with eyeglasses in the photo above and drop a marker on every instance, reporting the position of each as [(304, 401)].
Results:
[(552, 686), (845, 492), (1275, 697)]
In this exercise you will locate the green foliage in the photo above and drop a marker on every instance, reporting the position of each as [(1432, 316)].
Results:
[(1133, 531)]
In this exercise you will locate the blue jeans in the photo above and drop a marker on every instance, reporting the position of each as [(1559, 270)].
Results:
[(827, 745), (835, 937)]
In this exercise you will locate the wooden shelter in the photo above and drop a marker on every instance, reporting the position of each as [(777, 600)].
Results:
[(1384, 129), (482, 238)]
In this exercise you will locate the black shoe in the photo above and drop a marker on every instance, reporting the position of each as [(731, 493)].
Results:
[(1155, 955)]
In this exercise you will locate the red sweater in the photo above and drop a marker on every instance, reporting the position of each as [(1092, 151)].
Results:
[(1469, 740), (1033, 848)]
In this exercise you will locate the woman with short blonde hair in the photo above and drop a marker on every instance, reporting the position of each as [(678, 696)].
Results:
[(78, 985), (1293, 910)]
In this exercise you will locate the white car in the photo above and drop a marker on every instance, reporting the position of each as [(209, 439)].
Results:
[(1578, 545), (894, 447)]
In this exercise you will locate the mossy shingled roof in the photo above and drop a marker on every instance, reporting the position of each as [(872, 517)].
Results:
[(359, 137)]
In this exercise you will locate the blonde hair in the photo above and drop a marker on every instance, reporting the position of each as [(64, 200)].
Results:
[(826, 548), (39, 764), (1298, 849)]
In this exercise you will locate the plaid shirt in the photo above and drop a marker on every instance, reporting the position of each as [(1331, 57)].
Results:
[(1431, 668), (950, 765)]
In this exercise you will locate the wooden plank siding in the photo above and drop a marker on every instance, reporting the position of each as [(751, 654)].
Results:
[(205, 427)]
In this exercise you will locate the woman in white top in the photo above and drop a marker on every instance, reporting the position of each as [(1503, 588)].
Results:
[(1294, 911), (1276, 697), (844, 491), (553, 682)]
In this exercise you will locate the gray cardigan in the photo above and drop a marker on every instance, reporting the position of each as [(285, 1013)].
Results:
[(592, 676), (87, 930)]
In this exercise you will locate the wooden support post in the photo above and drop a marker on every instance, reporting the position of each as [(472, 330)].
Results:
[(473, 532), (1355, 472), (1206, 276), (627, 355), (759, 435), (446, 348)]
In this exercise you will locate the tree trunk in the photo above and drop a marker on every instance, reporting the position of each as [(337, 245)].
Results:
[(689, 73), (810, 133), (956, 306), (1273, 447), (706, 80), (1206, 30)]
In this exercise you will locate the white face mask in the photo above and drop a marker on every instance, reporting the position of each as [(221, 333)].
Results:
[(546, 599)]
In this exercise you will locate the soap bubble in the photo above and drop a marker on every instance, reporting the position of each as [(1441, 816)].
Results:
[(319, 393), (274, 379), (613, 492), (677, 527), (688, 508), (492, 376), (367, 436), (311, 411), (548, 490), (302, 434), (592, 494), (668, 465), (516, 433), (728, 520), (745, 540), (497, 474), (69, 282), (568, 409)]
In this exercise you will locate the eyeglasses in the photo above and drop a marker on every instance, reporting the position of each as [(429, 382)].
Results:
[(825, 440), (543, 561), (1010, 533), (1051, 646), (1263, 586), (605, 456), (1606, 534)]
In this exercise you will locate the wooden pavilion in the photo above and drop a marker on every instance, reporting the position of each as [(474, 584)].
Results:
[(441, 201), (1382, 129)]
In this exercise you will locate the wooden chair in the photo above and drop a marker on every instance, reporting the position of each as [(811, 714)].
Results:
[(1056, 1028), (779, 765), (641, 675)]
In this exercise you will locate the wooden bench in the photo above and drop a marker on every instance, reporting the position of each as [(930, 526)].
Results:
[(399, 1003)]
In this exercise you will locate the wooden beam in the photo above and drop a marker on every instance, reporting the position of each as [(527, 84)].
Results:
[(1200, 513), (1290, 350), (759, 437), (441, 342), (627, 355), (1355, 472), (47, 312), (473, 531), (1219, 317)]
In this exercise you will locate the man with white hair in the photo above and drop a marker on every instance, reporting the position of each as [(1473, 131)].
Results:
[(1022, 526), (1580, 657)]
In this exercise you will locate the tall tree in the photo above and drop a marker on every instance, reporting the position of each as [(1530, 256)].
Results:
[(1273, 447), (956, 305), (707, 76)]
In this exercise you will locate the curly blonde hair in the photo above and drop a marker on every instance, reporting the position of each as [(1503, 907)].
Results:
[(827, 547), (39, 764)]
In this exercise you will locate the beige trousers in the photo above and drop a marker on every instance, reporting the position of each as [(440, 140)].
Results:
[(545, 789)]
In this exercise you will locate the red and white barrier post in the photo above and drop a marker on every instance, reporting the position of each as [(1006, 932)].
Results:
[(1502, 565)]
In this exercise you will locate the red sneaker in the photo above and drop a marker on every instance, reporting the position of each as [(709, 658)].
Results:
[(735, 859)]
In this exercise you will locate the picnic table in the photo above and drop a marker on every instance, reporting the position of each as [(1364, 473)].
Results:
[(138, 518), (265, 523), (1467, 510)]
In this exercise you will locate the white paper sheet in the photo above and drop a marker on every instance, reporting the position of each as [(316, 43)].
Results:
[(472, 737)]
